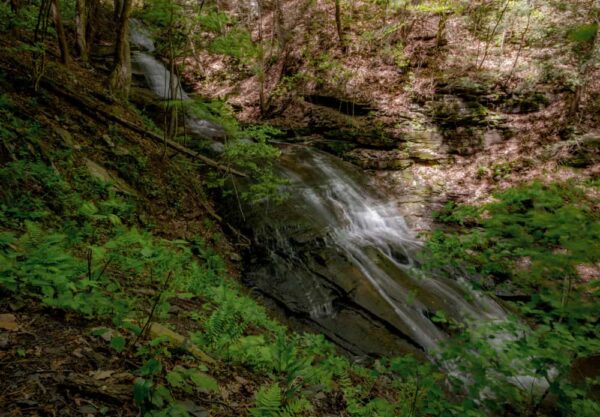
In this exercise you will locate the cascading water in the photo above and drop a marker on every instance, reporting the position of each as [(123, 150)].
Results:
[(376, 240), (334, 255), (164, 84)]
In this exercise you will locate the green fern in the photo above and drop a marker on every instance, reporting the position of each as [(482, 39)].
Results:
[(268, 402)]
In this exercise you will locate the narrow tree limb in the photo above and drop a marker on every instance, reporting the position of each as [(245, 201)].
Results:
[(94, 108), (113, 393)]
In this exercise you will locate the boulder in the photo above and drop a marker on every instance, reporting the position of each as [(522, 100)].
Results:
[(104, 175), (524, 102), (451, 111), (362, 130), (585, 151), (379, 159)]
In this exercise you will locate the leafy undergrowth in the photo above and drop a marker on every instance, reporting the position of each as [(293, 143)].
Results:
[(116, 302), (105, 312), (533, 238), (538, 246)]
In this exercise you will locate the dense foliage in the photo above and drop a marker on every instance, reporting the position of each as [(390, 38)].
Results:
[(532, 242), (74, 243)]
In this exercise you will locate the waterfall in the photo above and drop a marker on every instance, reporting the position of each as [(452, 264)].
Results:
[(159, 79), (379, 243), (336, 252)]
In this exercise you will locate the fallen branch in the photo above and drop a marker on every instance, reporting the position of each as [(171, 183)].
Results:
[(113, 393), (93, 108)]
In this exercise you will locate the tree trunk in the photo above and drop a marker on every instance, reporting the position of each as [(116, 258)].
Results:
[(521, 43), (119, 80), (440, 39), (15, 6), (590, 60), (91, 23), (81, 19), (490, 38), (65, 57), (280, 24), (338, 24), (261, 75), (119, 5)]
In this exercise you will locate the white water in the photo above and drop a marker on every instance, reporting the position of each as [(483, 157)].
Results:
[(164, 84), (380, 244), (371, 233), (159, 79), (140, 36)]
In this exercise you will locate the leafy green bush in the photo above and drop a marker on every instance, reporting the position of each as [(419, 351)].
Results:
[(550, 228), (39, 264), (533, 238), (25, 19), (236, 43), (213, 20)]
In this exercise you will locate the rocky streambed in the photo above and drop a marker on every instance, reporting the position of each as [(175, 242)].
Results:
[(337, 255)]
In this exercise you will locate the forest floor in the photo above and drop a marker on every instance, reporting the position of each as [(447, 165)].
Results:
[(55, 362), (400, 89), (51, 363)]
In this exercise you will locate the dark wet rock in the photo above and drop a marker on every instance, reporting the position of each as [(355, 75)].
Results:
[(585, 151), (336, 258), (461, 123), (205, 129), (341, 127), (379, 159), (487, 94), (513, 296), (145, 99), (348, 107), (464, 140), (522, 103), (451, 111), (335, 147)]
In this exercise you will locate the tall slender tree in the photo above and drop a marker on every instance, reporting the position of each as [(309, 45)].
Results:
[(587, 44), (338, 25), (65, 56), (81, 24), (119, 80)]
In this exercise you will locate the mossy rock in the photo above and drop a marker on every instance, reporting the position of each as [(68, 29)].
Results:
[(341, 127), (450, 111), (464, 140), (586, 152), (335, 147), (464, 87), (379, 159), (522, 103)]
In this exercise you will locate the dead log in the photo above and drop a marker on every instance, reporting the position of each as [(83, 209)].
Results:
[(95, 109), (112, 393)]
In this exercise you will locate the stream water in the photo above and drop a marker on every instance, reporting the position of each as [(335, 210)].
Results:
[(340, 255), (336, 256)]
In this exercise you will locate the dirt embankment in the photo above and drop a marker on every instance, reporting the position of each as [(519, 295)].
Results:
[(483, 109)]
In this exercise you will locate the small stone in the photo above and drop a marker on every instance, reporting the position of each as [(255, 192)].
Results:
[(88, 410), (101, 374), (4, 340), (108, 140), (8, 322), (104, 175), (67, 138), (121, 151)]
